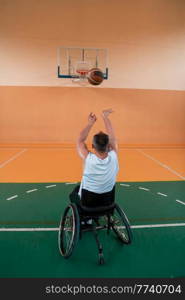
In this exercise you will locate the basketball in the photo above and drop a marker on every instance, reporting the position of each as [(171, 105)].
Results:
[(95, 76)]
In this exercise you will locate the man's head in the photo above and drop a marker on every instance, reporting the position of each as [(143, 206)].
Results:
[(101, 142)]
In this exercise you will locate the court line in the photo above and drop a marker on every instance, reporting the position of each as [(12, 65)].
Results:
[(122, 184), (142, 188), (50, 186), (12, 158), (57, 229), (72, 146), (161, 164), (29, 229), (164, 195), (157, 225), (31, 191), (180, 201), (15, 196)]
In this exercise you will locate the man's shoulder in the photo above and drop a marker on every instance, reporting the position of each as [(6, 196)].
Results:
[(89, 155), (112, 152)]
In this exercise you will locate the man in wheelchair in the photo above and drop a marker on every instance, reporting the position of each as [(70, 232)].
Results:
[(100, 168), (94, 199)]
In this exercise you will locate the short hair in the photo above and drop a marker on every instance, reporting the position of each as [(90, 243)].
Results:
[(101, 141)]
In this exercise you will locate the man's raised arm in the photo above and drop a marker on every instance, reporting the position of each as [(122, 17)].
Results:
[(81, 146), (109, 129)]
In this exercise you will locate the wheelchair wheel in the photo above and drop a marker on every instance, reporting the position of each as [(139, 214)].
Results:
[(121, 226), (68, 231)]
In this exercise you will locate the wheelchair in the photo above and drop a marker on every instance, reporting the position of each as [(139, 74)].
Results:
[(88, 215)]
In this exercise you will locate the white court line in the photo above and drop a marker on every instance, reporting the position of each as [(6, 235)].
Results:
[(31, 191), (157, 225), (15, 196), (164, 195), (170, 148), (56, 228), (124, 184), (12, 158), (29, 229), (161, 164), (142, 188), (50, 186), (70, 182), (180, 201)]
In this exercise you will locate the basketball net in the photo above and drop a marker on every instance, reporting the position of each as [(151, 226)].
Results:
[(82, 69)]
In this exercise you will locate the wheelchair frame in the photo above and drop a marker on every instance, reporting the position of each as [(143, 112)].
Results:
[(75, 221)]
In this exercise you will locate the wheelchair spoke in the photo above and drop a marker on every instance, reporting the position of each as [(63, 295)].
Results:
[(69, 231), (120, 225)]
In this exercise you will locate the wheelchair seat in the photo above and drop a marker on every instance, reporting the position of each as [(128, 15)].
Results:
[(97, 211), (95, 204)]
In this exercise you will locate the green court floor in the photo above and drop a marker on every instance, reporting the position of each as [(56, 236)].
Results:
[(155, 251)]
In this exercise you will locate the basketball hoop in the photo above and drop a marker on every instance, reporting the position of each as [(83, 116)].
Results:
[(82, 72), (78, 64), (82, 69)]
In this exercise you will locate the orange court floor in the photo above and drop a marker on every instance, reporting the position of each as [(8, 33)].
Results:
[(61, 163)]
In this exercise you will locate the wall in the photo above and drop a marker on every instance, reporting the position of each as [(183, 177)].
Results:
[(56, 115), (146, 44), (145, 39)]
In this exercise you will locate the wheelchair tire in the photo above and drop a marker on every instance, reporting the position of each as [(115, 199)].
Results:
[(69, 230), (121, 226)]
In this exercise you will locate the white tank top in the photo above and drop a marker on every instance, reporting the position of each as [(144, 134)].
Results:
[(99, 175)]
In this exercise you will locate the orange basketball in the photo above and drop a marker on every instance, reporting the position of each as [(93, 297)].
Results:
[(95, 76)]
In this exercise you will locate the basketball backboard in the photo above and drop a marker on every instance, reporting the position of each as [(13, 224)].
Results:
[(71, 60)]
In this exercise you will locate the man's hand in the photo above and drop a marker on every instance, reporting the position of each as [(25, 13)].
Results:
[(92, 118), (107, 112)]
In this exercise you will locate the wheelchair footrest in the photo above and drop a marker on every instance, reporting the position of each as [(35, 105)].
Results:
[(101, 259)]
